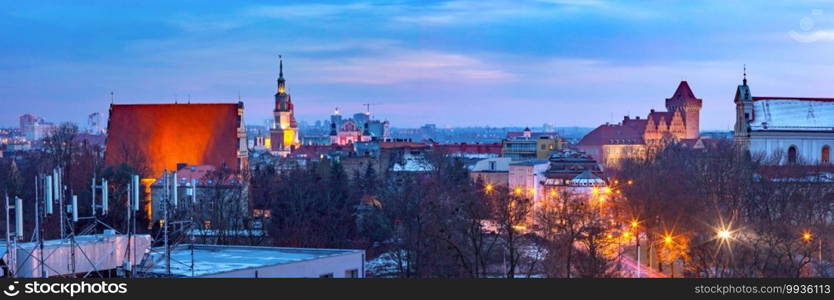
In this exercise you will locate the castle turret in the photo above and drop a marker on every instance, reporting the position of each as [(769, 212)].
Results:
[(684, 100)]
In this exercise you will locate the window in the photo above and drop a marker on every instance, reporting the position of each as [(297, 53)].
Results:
[(352, 273), (492, 165), (792, 155), (826, 155), (328, 275)]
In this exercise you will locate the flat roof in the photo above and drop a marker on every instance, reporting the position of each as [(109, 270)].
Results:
[(79, 239), (215, 259)]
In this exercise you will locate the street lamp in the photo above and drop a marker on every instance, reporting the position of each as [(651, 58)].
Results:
[(667, 239), (634, 225), (489, 188), (807, 236), (724, 234)]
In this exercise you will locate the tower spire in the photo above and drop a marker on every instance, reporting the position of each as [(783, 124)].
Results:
[(281, 82), (744, 81)]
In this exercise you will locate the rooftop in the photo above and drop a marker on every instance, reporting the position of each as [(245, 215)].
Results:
[(607, 134), (215, 259), (792, 114)]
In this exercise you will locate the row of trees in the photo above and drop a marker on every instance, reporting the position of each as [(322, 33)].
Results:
[(731, 214), (439, 223)]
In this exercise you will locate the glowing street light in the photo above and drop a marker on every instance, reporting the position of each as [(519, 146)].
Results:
[(634, 223), (667, 239), (724, 234), (517, 191), (489, 188), (630, 182), (807, 236)]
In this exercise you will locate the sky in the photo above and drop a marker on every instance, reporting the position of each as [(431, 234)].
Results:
[(450, 63)]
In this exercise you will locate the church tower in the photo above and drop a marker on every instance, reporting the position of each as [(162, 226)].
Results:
[(284, 131), (744, 113), (684, 100)]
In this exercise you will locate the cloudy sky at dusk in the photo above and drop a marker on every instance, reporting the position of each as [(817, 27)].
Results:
[(568, 62)]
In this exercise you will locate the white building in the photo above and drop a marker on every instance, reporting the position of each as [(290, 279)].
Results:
[(787, 130), (94, 255), (206, 261), (527, 177)]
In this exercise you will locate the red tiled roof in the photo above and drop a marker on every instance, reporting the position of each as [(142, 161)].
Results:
[(313, 151), (637, 124), (158, 136), (612, 134), (684, 95), (683, 91)]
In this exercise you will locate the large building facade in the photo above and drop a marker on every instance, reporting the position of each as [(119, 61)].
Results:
[(284, 131), (638, 137), (156, 137), (784, 130)]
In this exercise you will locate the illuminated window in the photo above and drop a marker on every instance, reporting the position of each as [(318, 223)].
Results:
[(262, 213), (207, 224), (826, 154), (792, 155)]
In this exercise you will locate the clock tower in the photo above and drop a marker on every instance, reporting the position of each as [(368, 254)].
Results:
[(284, 131)]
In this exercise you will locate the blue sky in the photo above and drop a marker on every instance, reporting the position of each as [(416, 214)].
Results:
[(453, 63)]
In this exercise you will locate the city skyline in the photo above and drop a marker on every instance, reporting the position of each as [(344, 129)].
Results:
[(452, 63)]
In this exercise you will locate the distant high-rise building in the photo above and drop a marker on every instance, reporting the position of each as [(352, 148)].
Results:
[(284, 132), (34, 128)]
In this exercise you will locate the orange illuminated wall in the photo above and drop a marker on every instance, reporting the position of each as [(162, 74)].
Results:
[(158, 136)]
